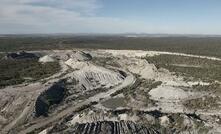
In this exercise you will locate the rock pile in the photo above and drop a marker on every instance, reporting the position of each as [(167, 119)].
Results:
[(82, 56)]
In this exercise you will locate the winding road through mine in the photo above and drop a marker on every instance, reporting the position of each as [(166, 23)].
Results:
[(128, 81)]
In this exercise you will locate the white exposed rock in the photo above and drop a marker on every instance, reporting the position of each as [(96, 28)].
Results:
[(123, 116), (164, 121), (73, 63), (75, 119), (168, 93), (141, 53), (81, 56), (46, 59), (149, 71), (90, 117), (44, 131), (126, 117), (101, 116), (150, 118), (198, 83), (187, 121), (141, 67), (92, 76)]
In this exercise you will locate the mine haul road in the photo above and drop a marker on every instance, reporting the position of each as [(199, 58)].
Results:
[(129, 80)]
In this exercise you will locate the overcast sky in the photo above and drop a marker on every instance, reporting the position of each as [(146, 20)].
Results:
[(110, 16)]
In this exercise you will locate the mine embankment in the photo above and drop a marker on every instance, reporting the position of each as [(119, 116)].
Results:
[(54, 95), (112, 127), (99, 98)]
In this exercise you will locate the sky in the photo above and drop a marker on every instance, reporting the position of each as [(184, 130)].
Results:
[(110, 16)]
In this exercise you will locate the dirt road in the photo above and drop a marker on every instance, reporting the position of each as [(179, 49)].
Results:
[(129, 80)]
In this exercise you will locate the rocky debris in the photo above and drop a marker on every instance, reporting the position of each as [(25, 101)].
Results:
[(44, 132), (140, 67), (127, 53), (93, 77), (46, 59), (99, 115), (110, 127), (54, 95), (148, 71), (82, 56), (21, 55), (73, 63), (164, 121)]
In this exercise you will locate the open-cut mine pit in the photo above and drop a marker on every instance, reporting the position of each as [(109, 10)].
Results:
[(129, 94)]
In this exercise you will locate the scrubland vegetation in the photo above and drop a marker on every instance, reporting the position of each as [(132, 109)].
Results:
[(210, 46), (18, 71), (203, 103), (197, 68), (2, 55)]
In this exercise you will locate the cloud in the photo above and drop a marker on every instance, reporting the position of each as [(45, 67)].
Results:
[(60, 16), (86, 7), (81, 16)]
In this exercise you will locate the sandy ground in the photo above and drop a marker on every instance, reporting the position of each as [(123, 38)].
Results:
[(141, 53)]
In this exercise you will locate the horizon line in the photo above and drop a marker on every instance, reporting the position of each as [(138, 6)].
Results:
[(119, 34)]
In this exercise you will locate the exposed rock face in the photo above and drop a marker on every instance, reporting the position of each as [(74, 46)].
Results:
[(110, 127), (73, 63), (46, 59), (53, 95), (82, 56), (141, 67), (164, 121), (94, 77), (21, 55)]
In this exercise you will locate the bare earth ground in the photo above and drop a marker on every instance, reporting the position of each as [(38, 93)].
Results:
[(98, 81)]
